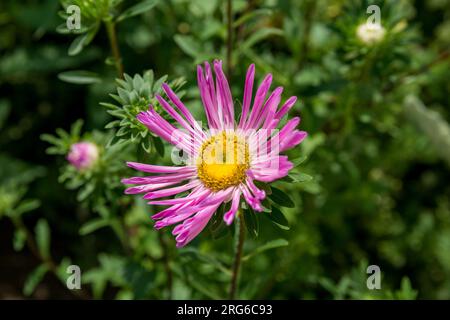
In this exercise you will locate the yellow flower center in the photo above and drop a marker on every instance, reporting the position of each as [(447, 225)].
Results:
[(223, 161)]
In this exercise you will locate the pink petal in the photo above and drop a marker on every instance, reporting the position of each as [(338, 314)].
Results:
[(228, 217), (224, 100), (159, 169), (248, 91), (259, 100), (171, 191), (177, 102)]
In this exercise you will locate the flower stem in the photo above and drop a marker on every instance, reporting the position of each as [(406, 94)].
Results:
[(112, 35), (229, 37), (238, 245)]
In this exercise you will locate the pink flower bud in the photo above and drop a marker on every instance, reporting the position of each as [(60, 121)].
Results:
[(83, 155)]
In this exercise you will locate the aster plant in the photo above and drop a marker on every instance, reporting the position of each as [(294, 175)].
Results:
[(225, 160)]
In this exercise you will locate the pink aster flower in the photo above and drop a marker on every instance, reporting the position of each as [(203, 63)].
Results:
[(83, 155), (225, 160)]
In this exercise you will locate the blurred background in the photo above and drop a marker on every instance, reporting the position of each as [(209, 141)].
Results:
[(372, 188)]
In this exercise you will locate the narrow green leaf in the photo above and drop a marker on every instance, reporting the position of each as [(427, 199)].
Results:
[(281, 198), (300, 177), (86, 191), (43, 238), (93, 225), (207, 258), (251, 222), (188, 44), (269, 245), (61, 270), (159, 146), (33, 279), (26, 206), (113, 124), (277, 217), (19, 239), (251, 15), (110, 61), (79, 77), (137, 9), (97, 279), (75, 128), (123, 94), (217, 226), (298, 161), (78, 44), (260, 35), (158, 83)]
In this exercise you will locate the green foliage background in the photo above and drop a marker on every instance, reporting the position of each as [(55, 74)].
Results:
[(372, 186)]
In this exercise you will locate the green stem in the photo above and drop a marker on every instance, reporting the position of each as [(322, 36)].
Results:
[(229, 37), (112, 35), (238, 246)]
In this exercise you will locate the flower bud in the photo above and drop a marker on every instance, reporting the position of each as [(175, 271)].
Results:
[(370, 33), (83, 155)]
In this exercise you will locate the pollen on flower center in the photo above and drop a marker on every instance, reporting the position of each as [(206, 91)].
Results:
[(223, 161)]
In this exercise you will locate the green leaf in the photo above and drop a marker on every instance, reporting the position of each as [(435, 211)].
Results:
[(300, 177), (19, 239), (277, 217), (61, 269), (83, 40), (263, 186), (269, 245), (33, 279), (251, 15), (159, 146), (26, 206), (75, 128), (43, 238), (110, 61), (98, 281), (298, 161), (260, 35), (281, 198), (217, 226), (188, 44), (78, 44), (137, 9), (79, 77), (93, 225), (251, 222), (207, 258), (158, 83), (86, 191), (139, 278), (406, 291)]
